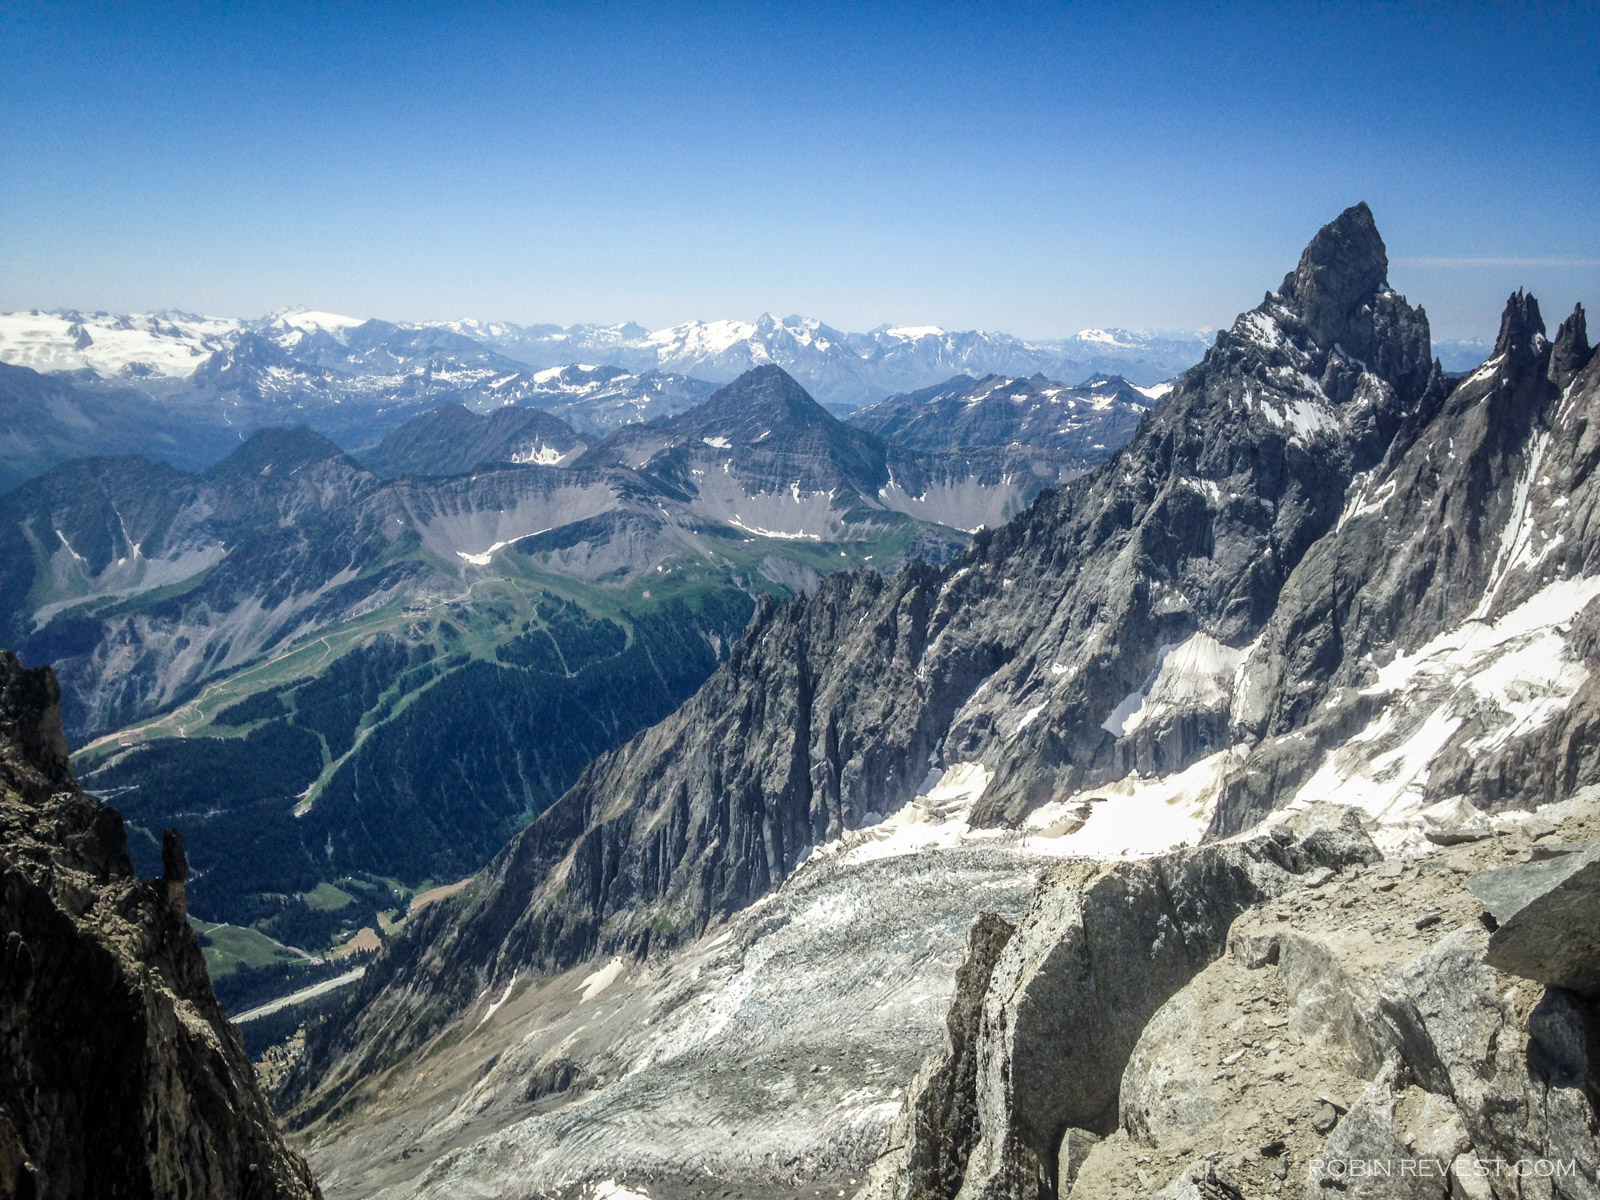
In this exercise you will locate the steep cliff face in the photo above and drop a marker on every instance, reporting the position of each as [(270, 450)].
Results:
[(120, 1074), (1455, 592), (1023, 661)]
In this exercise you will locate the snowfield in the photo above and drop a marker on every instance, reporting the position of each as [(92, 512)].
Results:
[(172, 345)]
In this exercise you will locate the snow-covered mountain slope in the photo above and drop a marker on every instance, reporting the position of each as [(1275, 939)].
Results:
[(352, 383), (711, 1064), (188, 397)]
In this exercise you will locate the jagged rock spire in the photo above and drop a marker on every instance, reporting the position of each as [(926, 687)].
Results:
[(1520, 324), (174, 873), (1339, 296), (1571, 351), (1342, 269)]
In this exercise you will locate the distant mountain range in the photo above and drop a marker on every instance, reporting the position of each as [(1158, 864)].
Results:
[(838, 368), (847, 368)]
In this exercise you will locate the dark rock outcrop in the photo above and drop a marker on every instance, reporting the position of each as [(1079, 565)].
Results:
[(119, 1073), (1548, 918)]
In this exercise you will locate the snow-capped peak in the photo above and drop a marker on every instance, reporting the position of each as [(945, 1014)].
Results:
[(1106, 337), (309, 321), (702, 337)]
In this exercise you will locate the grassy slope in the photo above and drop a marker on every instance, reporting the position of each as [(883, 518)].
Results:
[(272, 770)]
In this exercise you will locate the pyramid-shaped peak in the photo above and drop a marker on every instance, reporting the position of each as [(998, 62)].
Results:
[(771, 388), (278, 448), (763, 402), (1344, 267)]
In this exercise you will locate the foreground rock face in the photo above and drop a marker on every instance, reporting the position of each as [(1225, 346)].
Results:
[(1096, 951), (1350, 1040), (119, 1073)]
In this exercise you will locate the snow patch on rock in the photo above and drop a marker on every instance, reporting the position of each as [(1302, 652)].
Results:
[(1510, 675)]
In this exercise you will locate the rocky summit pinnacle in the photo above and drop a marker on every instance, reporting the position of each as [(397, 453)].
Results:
[(1342, 268), (1521, 324), (1340, 293)]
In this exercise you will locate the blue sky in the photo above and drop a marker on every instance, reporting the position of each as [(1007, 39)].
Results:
[(1034, 168)]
